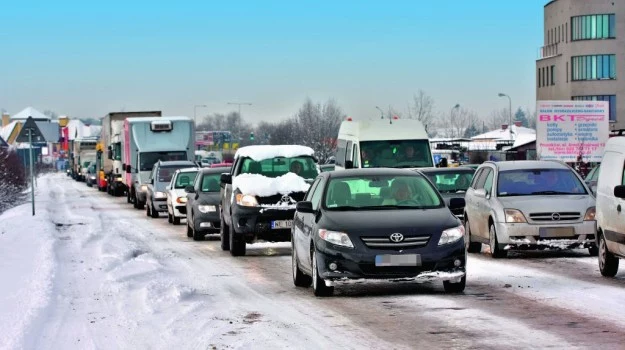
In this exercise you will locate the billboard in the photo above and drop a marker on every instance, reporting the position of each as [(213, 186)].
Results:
[(567, 129)]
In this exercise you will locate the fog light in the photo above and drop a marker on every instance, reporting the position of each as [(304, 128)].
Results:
[(457, 263), (242, 222), (333, 266)]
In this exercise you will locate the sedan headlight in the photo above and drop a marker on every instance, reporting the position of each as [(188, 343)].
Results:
[(246, 200), (92, 177), (335, 237), (181, 200), (590, 214), (206, 208), (118, 179), (159, 194), (514, 216), (451, 235), (144, 188)]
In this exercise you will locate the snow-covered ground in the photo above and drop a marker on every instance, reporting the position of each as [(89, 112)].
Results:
[(88, 271)]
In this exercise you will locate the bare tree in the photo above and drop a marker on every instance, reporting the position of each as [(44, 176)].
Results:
[(457, 121), (497, 118), (422, 108)]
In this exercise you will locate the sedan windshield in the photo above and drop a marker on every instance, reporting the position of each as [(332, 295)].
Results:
[(527, 182), (381, 192), (304, 166), (451, 181)]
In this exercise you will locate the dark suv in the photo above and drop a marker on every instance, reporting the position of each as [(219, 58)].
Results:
[(259, 194)]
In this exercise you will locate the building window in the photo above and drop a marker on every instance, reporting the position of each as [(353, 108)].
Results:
[(610, 98), (592, 27), (594, 67), (553, 75), (538, 78), (567, 72)]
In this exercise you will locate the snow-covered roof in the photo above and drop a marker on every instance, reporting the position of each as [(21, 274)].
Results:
[(30, 112), (78, 129), (262, 152), (5, 132), (523, 139), (501, 134), (262, 186)]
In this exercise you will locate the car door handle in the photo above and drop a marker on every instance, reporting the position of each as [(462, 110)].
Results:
[(618, 208)]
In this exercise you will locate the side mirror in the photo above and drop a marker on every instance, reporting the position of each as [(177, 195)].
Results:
[(456, 203), (619, 192), (128, 169), (226, 178), (189, 189), (304, 207), (481, 193), (349, 164)]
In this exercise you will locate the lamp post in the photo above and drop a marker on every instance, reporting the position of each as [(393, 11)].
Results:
[(381, 112), (451, 116), (509, 110)]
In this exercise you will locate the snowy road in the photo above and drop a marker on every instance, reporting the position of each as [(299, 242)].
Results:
[(89, 271)]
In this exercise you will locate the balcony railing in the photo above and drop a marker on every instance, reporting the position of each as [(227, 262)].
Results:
[(548, 51)]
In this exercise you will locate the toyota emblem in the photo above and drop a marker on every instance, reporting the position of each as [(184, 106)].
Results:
[(397, 237), (555, 217), (286, 199)]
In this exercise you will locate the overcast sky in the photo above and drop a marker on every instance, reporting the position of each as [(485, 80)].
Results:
[(85, 59)]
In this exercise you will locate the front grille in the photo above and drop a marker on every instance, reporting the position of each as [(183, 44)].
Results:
[(296, 196), (386, 243), (557, 216)]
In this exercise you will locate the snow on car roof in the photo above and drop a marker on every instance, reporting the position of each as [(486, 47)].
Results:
[(262, 186), (262, 152)]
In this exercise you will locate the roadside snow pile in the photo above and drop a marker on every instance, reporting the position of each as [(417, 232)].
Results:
[(258, 153), (26, 269), (263, 186)]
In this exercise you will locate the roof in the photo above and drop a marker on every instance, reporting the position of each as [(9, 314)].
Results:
[(50, 131), (174, 163), (370, 172), (529, 164), (501, 134), (187, 170), (5, 132), (214, 170), (157, 119), (523, 139), (30, 112), (445, 170), (78, 130), (383, 129), (262, 152)]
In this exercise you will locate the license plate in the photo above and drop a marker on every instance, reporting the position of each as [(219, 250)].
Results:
[(549, 232), (398, 260), (280, 224)]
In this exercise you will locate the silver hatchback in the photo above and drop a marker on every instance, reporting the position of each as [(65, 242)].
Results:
[(529, 205)]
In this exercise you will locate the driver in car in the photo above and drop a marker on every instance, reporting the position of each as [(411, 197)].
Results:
[(296, 167), (402, 194), (410, 155)]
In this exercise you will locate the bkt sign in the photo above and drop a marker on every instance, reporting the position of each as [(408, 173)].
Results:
[(571, 117)]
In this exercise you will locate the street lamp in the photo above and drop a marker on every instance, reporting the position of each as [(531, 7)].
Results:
[(381, 112), (195, 113), (451, 116), (501, 94)]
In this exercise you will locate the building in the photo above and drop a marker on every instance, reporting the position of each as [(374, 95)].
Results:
[(583, 56)]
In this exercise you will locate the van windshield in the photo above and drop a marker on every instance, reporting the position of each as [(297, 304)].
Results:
[(396, 154)]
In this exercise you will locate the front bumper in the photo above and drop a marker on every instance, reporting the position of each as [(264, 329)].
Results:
[(160, 204), (255, 223), (438, 263), (562, 235), (180, 210), (207, 222)]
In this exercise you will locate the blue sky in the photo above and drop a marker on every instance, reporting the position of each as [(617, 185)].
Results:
[(85, 59)]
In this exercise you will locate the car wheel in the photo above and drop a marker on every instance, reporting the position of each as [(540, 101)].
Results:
[(593, 251), (319, 285), (237, 246), (128, 198), (169, 218), (175, 220), (495, 251), (455, 287), (189, 230), (153, 211), (140, 204), (608, 263), (197, 235), (224, 233), (472, 247), (299, 278)]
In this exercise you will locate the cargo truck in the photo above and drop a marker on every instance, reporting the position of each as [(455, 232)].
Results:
[(145, 141), (82, 147), (112, 170)]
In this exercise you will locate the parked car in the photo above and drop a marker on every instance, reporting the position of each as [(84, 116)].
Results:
[(451, 183), (529, 205), (610, 205), (203, 203), (259, 194), (176, 195), (376, 224), (160, 177), (592, 178)]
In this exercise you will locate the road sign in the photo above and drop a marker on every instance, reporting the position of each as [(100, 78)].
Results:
[(35, 133)]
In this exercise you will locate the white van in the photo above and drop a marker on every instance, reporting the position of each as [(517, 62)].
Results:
[(610, 207), (383, 143)]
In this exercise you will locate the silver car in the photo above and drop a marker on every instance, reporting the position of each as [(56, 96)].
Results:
[(529, 205)]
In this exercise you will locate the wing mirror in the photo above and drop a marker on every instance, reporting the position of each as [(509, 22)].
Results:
[(349, 164), (226, 178), (189, 189), (128, 169), (456, 203), (480, 193), (619, 191), (304, 207)]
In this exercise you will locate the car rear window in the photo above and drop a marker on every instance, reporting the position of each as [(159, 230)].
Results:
[(185, 179), (210, 182)]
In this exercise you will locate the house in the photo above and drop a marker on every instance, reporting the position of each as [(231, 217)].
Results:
[(501, 139)]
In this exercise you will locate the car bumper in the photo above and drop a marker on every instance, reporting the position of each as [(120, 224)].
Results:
[(207, 222), (255, 223), (532, 236), (160, 204), (180, 211), (447, 262)]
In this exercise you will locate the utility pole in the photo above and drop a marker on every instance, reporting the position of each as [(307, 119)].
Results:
[(240, 104), (510, 110)]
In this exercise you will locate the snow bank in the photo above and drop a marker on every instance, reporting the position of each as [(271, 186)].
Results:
[(263, 186), (26, 268), (262, 152)]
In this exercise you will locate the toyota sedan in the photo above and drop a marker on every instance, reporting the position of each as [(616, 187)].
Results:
[(376, 224)]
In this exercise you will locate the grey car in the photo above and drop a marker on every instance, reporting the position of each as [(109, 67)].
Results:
[(160, 177), (203, 202), (529, 205)]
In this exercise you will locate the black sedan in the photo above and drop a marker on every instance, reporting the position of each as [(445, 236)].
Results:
[(451, 183), (203, 203), (376, 224)]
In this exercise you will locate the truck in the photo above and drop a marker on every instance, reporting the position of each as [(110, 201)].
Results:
[(111, 170), (145, 141), (82, 150)]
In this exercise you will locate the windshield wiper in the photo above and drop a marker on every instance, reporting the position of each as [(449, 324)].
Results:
[(345, 208), (551, 192)]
